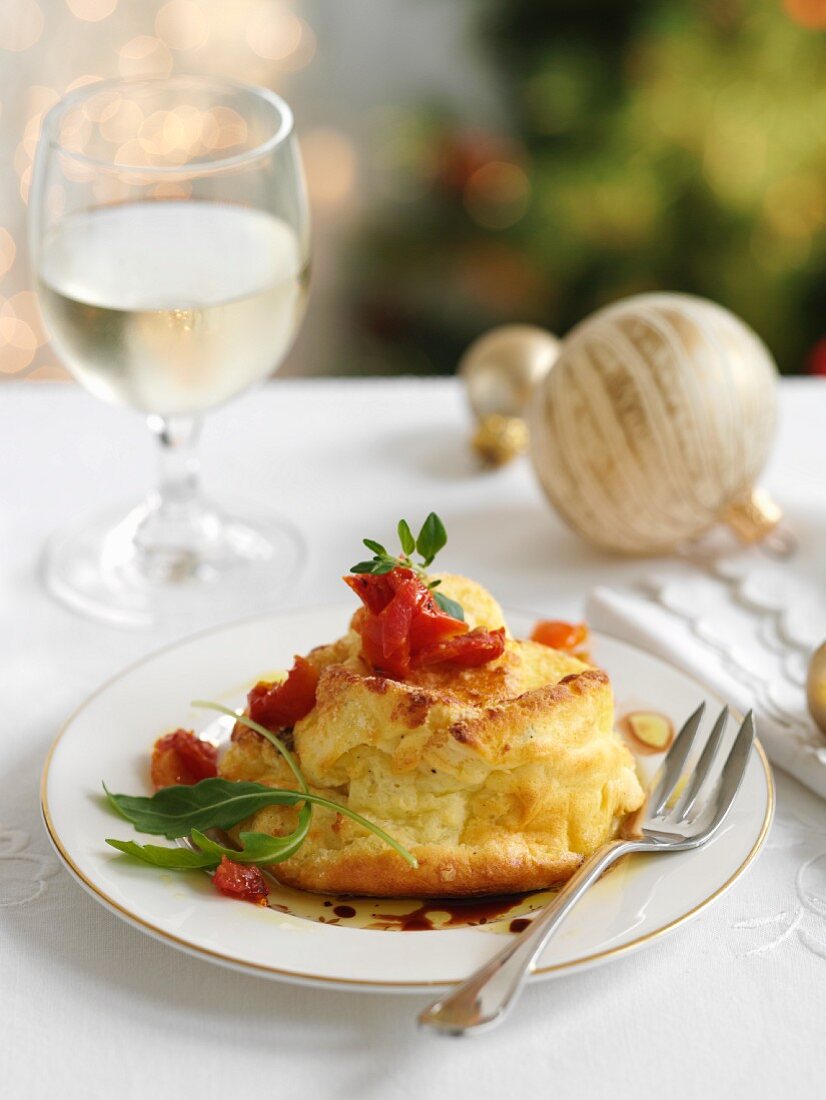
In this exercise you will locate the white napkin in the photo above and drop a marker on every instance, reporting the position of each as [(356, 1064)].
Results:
[(744, 626)]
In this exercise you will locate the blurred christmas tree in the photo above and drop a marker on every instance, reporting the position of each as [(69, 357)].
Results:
[(649, 145)]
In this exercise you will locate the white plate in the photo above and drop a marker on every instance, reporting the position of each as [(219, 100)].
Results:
[(109, 739)]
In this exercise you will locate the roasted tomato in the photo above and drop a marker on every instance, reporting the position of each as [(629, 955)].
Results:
[(240, 880), (570, 637), (181, 757), (402, 627), (278, 706), (470, 650)]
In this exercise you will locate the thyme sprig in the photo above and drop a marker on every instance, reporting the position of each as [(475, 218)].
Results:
[(431, 539)]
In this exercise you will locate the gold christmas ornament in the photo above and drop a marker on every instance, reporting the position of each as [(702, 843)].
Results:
[(655, 423), (498, 439), (502, 367), (816, 687)]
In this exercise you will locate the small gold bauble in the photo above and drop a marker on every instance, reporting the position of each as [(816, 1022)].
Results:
[(498, 439), (816, 687), (655, 423), (501, 368)]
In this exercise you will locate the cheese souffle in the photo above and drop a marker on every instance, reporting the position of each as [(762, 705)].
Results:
[(493, 761)]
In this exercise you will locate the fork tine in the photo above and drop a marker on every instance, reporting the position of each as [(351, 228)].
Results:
[(674, 762), (687, 800), (733, 771)]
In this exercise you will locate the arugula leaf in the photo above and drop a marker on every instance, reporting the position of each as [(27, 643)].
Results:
[(177, 859), (260, 848), (211, 804), (449, 606), (432, 538), (245, 720), (406, 537), (221, 803)]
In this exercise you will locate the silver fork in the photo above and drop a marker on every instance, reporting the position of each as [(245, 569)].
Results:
[(673, 819)]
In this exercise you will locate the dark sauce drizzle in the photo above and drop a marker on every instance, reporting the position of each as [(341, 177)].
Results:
[(442, 913)]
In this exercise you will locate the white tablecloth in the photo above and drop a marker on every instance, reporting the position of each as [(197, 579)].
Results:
[(729, 1005)]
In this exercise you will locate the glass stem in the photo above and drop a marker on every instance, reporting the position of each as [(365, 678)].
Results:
[(179, 479), (175, 530)]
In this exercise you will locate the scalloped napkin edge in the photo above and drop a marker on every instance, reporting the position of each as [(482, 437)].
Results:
[(795, 746)]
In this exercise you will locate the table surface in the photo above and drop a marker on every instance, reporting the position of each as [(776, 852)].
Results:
[(730, 1004)]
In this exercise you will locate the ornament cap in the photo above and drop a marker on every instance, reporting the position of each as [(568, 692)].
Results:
[(753, 515), (498, 439)]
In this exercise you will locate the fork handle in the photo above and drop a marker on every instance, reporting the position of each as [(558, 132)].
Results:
[(484, 999)]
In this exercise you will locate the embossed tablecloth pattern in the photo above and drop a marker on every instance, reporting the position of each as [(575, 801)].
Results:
[(732, 1004)]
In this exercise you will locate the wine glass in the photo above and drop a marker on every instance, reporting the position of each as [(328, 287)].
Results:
[(170, 241)]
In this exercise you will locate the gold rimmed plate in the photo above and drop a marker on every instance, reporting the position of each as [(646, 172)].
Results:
[(305, 940)]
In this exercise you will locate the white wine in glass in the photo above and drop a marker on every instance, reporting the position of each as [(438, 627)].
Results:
[(170, 236)]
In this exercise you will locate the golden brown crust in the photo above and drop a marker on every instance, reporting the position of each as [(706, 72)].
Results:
[(496, 868), (499, 779)]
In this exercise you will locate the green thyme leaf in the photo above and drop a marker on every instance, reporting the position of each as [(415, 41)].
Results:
[(376, 547), (432, 538), (406, 537), (363, 567), (177, 859), (450, 607)]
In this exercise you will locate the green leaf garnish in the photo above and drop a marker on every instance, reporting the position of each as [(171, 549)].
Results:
[(449, 606), (260, 848), (176, 859), (432, 538), (364, 567), (221, 803), (245, 720), (376, 547), (211, 804), (406, 537)]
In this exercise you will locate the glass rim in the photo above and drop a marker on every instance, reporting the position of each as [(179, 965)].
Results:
[(282, 132)]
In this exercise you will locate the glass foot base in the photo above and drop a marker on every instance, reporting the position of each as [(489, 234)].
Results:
[(204, 567)]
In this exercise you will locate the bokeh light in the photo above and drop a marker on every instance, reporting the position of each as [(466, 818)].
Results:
[(273, 31), (49, 371), (808, 13), (82, 81), (497, 194), (172, 189), (223, 128), (8, 250), (92, 11), (25, 184), (182, 25), (21, 25), (24, 306), (144, 56), (121, 120), (330, 164), (18, 342)]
